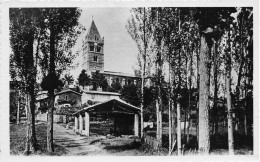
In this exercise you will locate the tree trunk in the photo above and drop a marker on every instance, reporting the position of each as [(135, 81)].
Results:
[(159, 116), (245, 125), (30, 146), (173, 117), (157, 120), (178, 128), (185, 108), (169, 109), (190, 93), (204, 71), (230, 120), (18, 109), (142, 86), (159, 123), (50, 148), (215, 106), (31, 141), (198, 88), (245, 106), (173, 111)]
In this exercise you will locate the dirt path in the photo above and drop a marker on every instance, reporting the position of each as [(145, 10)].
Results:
[(76, 144)]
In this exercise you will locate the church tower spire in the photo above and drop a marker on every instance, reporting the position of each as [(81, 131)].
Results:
[(93, 50)]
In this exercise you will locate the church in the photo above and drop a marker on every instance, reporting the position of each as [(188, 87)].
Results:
[(93, 58)]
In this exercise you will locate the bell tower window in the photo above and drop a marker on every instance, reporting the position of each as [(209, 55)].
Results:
[(91, 47), (98, 49), (95, 37), (95, 59)]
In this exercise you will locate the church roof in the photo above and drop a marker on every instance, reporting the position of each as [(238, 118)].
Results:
[(119, 74), (93, 32)]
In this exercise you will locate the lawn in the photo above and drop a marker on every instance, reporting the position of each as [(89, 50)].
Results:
[(18, 136), (121, 145)]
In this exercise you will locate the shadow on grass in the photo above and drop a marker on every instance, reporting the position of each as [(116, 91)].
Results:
[(123, 147), (18, 138)]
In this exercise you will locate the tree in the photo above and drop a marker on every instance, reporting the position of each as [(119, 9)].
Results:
[(207, 18), (130, 94), (115, 87), (149, 104), (55, 82), (84, 79), (157, 12), (68, 78), (138, 28), (228, 89), (24, 30), (244, 37), (99, 80), (62, 27)]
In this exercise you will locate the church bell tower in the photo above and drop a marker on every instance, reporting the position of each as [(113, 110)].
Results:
[(93, 50)]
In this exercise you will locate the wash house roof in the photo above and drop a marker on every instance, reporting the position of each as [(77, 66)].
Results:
[(111, 106)]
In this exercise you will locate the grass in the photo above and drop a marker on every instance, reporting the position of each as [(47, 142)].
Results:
[(125, 146), (243, 144), (18, 136)]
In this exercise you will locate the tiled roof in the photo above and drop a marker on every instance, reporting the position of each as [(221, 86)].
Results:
[(67, 90), (118, 74), (102, 92)]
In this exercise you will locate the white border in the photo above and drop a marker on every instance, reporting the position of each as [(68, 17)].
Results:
[(4, 72)]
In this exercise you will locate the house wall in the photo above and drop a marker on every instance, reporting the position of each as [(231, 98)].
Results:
[(70, 96), (97, 97), (123, 80)]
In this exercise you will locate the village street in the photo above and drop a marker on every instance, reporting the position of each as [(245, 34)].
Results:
[(76, 144)]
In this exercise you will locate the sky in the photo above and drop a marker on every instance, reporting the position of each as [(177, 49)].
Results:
[(120, 51)]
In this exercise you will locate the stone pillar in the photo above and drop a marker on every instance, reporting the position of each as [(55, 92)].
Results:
[(87, 124), (76, 124), (136, 125), (80, 124), (110, 80)]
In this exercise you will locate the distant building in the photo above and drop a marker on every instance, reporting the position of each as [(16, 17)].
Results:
[(98, 96), (67, 97), (93, 59)]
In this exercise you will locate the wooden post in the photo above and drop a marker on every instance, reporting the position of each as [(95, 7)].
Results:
[(80, 124), (87, 124), (178, 128), (136, 125), (76, 124)]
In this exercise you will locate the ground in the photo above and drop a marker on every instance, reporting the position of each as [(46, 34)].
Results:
[(95, 144), (67, 142), (17, 138)]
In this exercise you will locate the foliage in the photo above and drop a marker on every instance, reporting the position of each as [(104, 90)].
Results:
[(63, 31), (84, 79), (99, 80), (65, 110), (51, 81), (68, 79), (24, 25), (130, 93), (115, 87), (138, 27)]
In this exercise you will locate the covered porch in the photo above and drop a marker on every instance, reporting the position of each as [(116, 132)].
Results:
[(125, 117)]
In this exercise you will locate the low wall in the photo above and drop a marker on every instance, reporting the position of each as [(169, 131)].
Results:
[(56, 118), (59, 118), (41, 117)]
